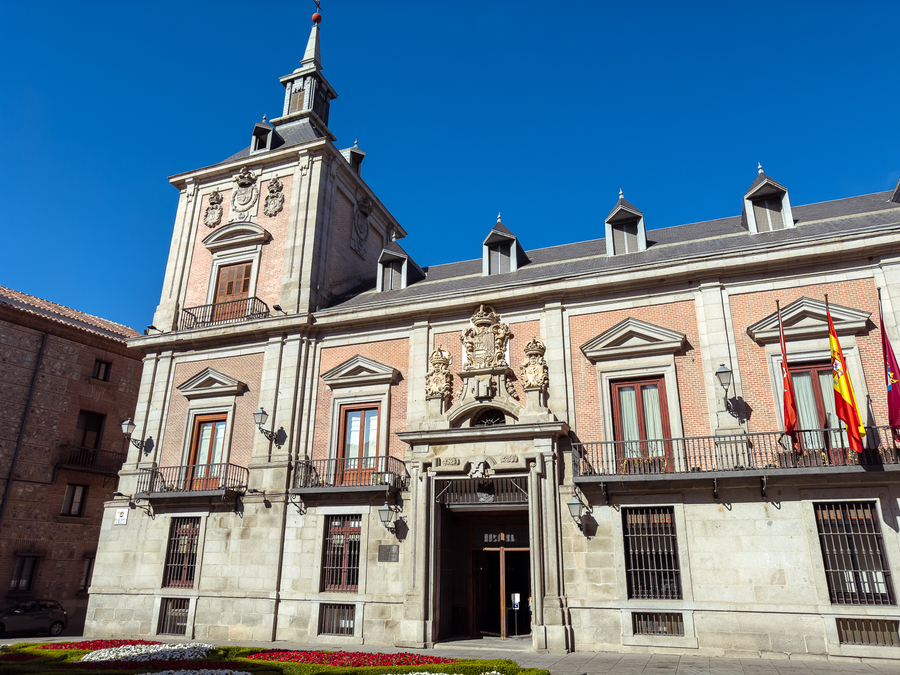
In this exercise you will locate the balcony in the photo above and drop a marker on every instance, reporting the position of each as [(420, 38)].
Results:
[(362, 474), (192, 480), (221, 313), (757, 454), (89, 460)]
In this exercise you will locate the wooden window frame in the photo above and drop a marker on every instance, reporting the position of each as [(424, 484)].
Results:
[(69, 498), (101, 370), (195, 435), (15, 580), (342, 432), (622, 459)]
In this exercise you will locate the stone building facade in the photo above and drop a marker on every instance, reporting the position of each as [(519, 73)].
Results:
[(534, 442), (67, 381)]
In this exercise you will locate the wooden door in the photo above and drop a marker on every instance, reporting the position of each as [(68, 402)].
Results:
[(359, 452), (233, 285), (207, 453), (641, 421)]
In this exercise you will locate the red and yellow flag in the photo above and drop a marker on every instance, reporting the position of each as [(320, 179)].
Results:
[(844, 399), (790, 402)]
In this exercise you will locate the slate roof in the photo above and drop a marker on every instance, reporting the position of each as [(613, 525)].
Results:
[(665, 244), (286, 135), (65, 315)]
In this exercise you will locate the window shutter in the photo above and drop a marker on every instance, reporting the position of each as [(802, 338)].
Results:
[(774, 206), (297, 100), (761, 213), (619, 245)]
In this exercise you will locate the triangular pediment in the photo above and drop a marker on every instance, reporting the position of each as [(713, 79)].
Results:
[(359, 370), (633, 337), (209, 382), (806, 318), (236, 234)]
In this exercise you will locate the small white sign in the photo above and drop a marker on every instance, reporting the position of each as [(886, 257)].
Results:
[(515, 598), (121, 517)]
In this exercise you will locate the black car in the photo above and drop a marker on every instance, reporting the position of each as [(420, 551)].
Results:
[(33, 616)]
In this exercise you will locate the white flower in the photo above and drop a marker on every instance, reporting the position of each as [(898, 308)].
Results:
[(168, 652), (199, 672)]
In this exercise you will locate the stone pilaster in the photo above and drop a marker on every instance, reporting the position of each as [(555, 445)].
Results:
[(553, 335)]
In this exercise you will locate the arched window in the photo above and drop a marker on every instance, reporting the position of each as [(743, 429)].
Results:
[(488, 417)]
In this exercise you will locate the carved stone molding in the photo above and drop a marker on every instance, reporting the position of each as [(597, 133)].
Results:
[(438, 380), (244, 197), (535, 374), (275, 199), (213, 214)]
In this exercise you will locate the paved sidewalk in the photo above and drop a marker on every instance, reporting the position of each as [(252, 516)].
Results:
[(589, 663)]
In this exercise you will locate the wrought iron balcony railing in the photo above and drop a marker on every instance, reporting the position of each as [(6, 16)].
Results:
[(174, 480), (223, 312), (768, 451), (370, 472), (74, 456)]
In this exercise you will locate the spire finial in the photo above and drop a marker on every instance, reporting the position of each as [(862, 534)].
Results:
[(356, 143), (498, 216), (621, 194), (264, 117), (317, 17), (759, 167)]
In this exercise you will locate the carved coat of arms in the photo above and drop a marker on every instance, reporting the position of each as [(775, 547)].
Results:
[(485, 342), (244, 197), (213, 214), (535, 374), (275, 199), (359, 235), (438, 380)]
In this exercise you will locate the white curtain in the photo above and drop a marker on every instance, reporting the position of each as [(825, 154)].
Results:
[(629, 421), (807, 414), (652, 419), (838, 437)]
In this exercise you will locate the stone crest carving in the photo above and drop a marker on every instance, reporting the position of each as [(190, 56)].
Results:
[(359, 235), (213, 214), (244, 197), (535, 374), (275, 199), (438, 380), (485, 342)]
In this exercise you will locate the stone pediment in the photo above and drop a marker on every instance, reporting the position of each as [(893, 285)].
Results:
[(806, 318), (633, 337), (209, 382), (359, 370), (236, 234)]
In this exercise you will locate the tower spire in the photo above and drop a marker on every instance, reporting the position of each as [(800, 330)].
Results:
[(312, 56)]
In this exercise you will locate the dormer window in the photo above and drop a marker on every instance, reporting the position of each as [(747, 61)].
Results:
[(625, 229), (262, 137), (502, 252), (767, 207), (396, 269)]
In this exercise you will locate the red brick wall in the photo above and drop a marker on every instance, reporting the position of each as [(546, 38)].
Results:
[(268, 276), (680, 316), (393, 353), (748, 308), (346, 268), (247, 369)]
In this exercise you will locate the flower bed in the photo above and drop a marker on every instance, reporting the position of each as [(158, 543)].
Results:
[(350, 659), (150, 652), (92, 645)]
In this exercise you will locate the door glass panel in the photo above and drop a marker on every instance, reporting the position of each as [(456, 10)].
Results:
[(370, 446), (807, 413), (652, 419), (206, 429), (351, 442), (838, 437), (629, 421)]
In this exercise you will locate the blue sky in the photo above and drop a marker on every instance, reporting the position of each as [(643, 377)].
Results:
[(539, 110)]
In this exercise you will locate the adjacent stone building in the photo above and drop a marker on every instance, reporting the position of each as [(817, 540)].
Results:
[(67, 381), (582, 443)]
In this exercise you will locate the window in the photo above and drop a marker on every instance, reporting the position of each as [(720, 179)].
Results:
[(233, 285), (875, 632), (73, 503), (87, 574), (814, 392), (853, 553), (651, 553), (391, 275), (625, 237), (498, 258), (340, 564), (488, 417), (657, 623), (767, 213), (173, 615), (297, 97), (208, 444), (640, 415), (181, 559), (359, 437), (23, 574), (101, 370), (336, 619), (261, 140), (89, 429)]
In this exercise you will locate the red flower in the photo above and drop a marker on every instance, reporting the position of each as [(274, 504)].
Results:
[(94, 645), (350, 659)]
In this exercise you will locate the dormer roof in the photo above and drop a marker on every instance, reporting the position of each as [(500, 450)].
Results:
[(393, 251), (623, 210), (625, 229), (768, 202), (500, 234), (764, 186)]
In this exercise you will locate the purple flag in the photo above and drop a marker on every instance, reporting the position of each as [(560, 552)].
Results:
[(891, 371)]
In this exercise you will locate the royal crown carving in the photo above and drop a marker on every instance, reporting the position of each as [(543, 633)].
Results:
[(485, 343), (213, 214), (438, 380), (535, 374), (244, 197), (359, 235), (275, 199)]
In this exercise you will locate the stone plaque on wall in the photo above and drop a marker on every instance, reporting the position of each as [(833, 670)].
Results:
[(388, 553)]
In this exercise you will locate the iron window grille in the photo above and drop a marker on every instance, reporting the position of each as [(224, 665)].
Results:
[(657, 623), (22, 579), (651, 553), (870, 632), (73, 502), (853, 553), (181, 559), (173, 615), (336, 619), (340, 566)]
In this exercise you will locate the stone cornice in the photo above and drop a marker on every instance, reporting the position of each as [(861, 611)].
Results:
[(496, 432)]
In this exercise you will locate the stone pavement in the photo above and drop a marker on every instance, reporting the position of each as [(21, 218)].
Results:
[(589, 663)]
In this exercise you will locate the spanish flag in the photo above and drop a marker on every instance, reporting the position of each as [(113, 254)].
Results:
[(844, 400)]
